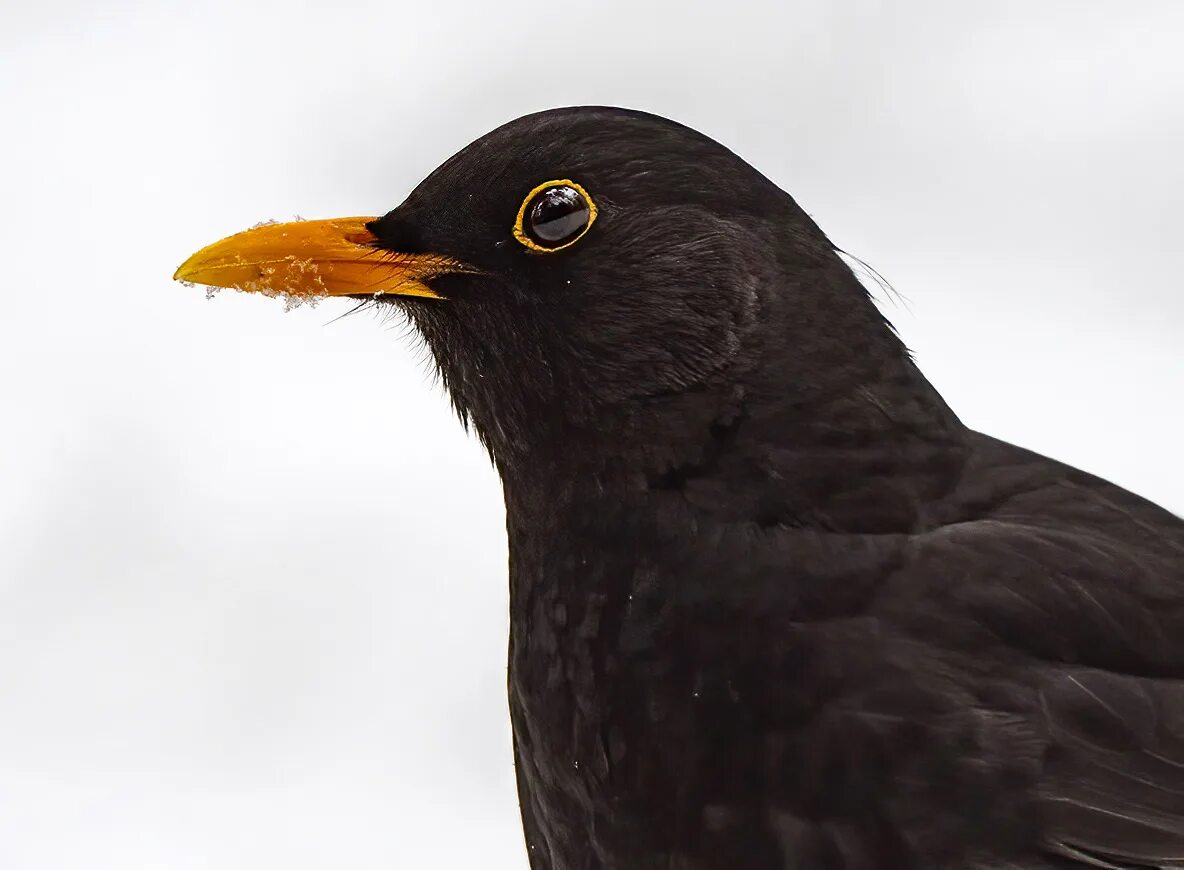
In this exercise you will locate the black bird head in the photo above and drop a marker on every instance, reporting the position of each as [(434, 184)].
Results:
[(606, 284)]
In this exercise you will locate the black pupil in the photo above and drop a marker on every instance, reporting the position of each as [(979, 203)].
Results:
[(557, 215)]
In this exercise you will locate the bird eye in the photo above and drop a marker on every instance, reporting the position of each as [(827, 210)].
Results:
[(554, 215)]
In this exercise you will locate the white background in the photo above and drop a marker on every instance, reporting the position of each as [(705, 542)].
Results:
[(252, 574)]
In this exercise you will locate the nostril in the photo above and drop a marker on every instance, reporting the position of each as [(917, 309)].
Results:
[(398, 234)]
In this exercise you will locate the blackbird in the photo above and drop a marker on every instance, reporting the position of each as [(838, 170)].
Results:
[(772, 604)]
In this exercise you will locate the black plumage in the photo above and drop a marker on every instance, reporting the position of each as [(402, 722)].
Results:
[(772, 604)]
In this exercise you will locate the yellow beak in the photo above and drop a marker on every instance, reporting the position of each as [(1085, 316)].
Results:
[(314, 259)]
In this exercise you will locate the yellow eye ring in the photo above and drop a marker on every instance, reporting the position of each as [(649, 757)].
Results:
[(568, 203)]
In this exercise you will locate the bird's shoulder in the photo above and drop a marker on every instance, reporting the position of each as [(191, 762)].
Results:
[(1053, 562), (1081, 583), (1034, 636)]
